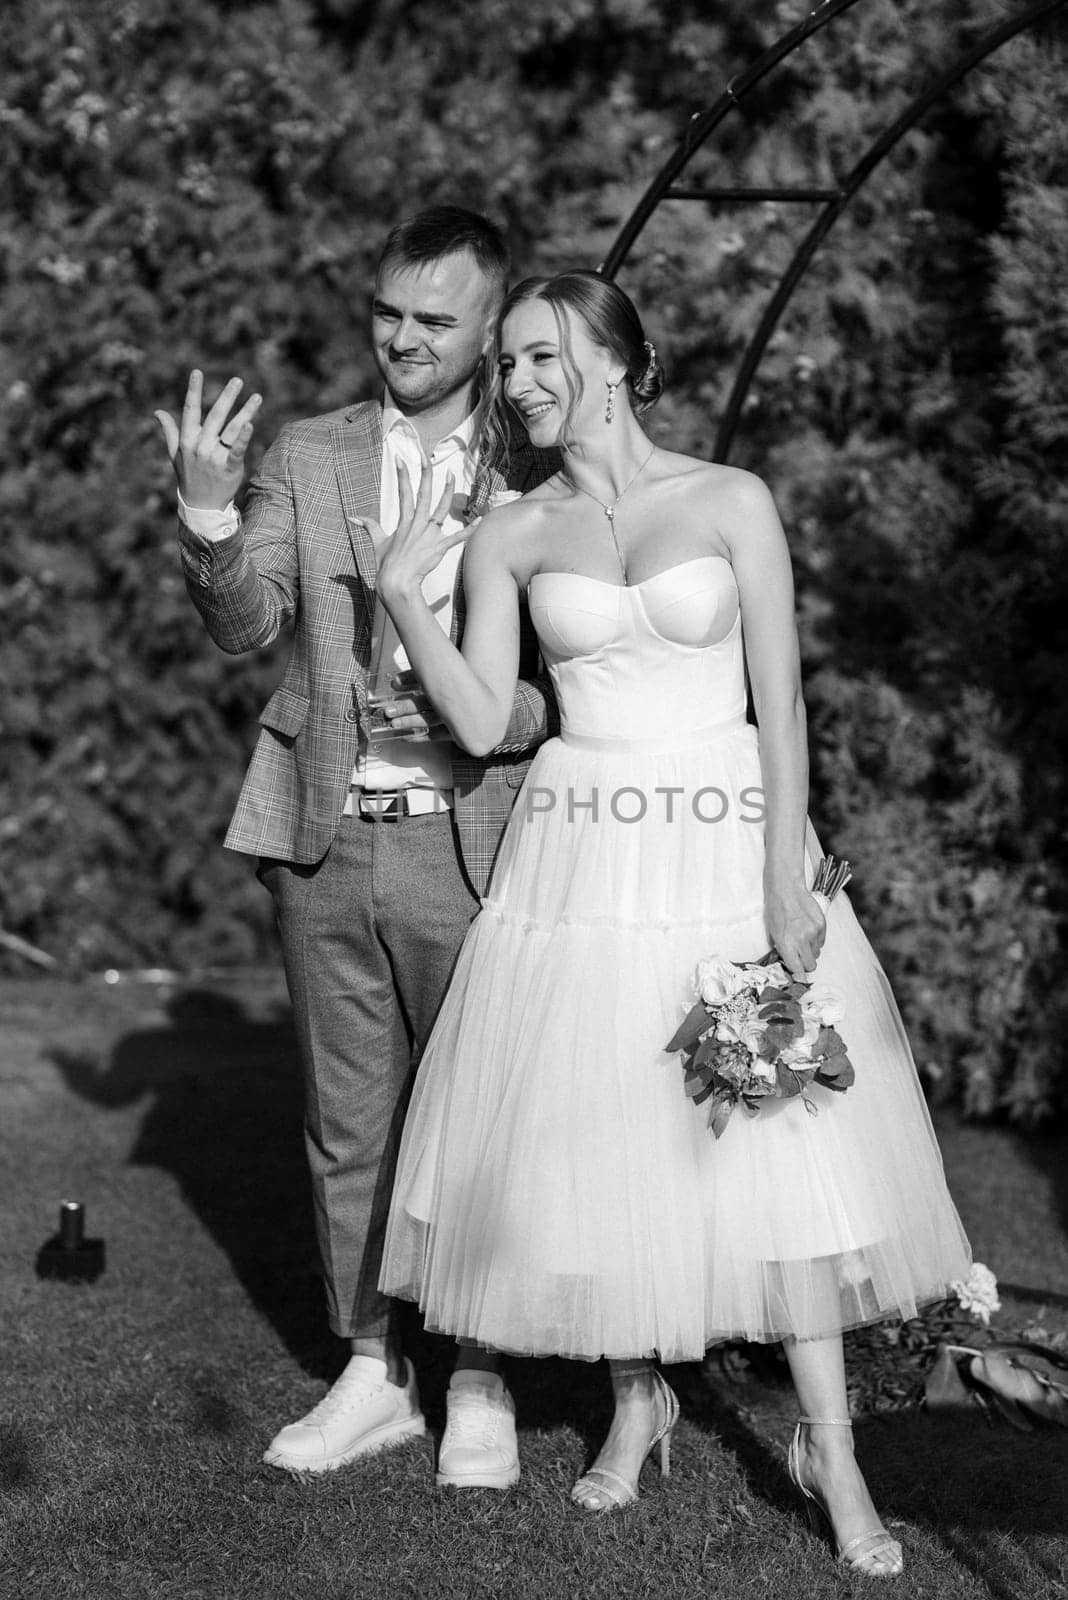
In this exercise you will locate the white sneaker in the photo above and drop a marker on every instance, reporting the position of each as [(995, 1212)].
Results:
[(479, 1449), (360, 1414)]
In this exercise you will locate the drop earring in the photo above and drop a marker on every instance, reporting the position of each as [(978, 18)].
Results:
[(610, 408)]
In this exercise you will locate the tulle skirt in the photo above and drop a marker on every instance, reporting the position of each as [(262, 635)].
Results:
[(556, 1191)]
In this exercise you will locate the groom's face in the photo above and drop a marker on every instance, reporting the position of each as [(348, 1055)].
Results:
[(430, 324)]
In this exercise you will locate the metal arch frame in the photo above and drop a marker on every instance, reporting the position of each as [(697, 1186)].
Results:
[(833, 201)]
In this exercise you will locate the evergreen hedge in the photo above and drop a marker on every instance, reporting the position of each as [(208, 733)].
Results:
[(193, 183)]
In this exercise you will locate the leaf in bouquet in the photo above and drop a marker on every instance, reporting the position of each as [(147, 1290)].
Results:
[(707, 1051), (789, 1080), (720, 1115), (773, 995), (836, 1073), (829, 1042), (690, 1029), (781, 1008), (785, 992), (777, 1036), (699, 1085)]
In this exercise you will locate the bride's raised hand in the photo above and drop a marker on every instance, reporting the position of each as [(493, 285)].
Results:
[(796, 927), (407, 556)]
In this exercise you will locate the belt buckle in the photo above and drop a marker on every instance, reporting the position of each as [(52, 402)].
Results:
[(383, 807)]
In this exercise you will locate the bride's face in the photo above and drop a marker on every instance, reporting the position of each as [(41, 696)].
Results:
[(552, 372)]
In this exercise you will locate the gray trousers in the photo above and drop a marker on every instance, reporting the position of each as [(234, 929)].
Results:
[(369, 938)]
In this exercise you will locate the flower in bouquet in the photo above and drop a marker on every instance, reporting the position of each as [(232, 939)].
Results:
[(755, 1034), (719, 980)]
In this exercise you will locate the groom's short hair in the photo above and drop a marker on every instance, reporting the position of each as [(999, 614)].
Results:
[(442, 231)]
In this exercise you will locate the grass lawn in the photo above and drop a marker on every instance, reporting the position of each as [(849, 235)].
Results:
[(134, 1411)]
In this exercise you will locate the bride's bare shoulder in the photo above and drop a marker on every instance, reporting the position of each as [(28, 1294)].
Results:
[(511, 533), (706, 478)]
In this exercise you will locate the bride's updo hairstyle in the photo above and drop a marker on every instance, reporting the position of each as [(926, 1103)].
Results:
[(611, 321)]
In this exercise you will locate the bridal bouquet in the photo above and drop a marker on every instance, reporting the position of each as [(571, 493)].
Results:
[(754, 1034)]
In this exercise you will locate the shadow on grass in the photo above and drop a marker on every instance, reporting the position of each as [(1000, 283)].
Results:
[(224, 1114), (984, 1490), (16, 1471), (224, 1117), (993, 1498)]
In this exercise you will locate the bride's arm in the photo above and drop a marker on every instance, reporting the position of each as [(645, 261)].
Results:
[(761, 562), (473, 691)]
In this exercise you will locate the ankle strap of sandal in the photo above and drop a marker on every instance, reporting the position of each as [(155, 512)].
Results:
[(827, 1422), (631, 1369)]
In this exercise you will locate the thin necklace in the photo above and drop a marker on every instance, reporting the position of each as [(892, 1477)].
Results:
[(610, 509)]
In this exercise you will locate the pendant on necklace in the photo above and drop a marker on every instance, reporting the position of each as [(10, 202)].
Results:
[(610, 513)]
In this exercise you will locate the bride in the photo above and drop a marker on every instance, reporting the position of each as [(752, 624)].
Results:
[(557, 1192)]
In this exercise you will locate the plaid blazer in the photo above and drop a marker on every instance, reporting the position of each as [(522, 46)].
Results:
[(302, 554)]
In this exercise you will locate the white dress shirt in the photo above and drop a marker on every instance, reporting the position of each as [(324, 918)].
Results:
[(398, 763)]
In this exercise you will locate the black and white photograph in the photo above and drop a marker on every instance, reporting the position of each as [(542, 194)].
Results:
[(533, 865)]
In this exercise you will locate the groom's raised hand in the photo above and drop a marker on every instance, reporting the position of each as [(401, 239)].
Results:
[(208, 456)]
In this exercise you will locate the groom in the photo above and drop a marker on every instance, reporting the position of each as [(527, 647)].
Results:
[(374, 854)]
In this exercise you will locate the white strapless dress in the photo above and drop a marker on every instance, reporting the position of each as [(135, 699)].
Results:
[(556, 1191)]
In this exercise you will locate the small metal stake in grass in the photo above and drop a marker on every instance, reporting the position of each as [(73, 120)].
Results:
[(69, 1254)]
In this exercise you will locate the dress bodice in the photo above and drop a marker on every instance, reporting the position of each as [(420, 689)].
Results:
[(661, 659)]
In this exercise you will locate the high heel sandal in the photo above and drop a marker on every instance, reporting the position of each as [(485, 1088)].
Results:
[(614, 1491), (875, 1553)]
